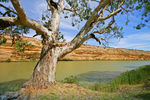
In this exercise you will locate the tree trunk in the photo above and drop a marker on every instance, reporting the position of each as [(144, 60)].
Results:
[(45, 70)]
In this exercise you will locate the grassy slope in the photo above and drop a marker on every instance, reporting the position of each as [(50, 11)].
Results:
[(124, 87)]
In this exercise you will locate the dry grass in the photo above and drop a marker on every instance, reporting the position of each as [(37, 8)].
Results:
[(61, 91)]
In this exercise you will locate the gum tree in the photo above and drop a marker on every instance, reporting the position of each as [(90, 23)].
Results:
[(95, 25)]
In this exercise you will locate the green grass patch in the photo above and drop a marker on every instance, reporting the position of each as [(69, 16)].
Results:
[(133, 77)]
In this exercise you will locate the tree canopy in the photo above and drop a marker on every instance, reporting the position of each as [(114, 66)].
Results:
[(81, 10)]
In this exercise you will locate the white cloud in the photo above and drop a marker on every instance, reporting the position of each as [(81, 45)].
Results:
[(40, 6), (68, 38), (67, 25), (135, 41), (140, 36), (143, 46), (69, 35), (35, 9)]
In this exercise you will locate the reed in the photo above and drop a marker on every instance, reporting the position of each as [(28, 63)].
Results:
[(133, 77)]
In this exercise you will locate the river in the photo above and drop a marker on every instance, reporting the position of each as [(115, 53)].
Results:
[(86, 71)]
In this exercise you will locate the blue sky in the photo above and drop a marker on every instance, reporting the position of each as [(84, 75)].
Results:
[(133, 38)]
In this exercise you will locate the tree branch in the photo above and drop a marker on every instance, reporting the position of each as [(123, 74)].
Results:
[(12, 21), (102, 4), (97, 32), (8, 21), (25, 21), (80, 37), (8, 9), (103, 10), (109, 25), (67, 9), (110, 15), (61, 5), (125, 9), (93, 19), (119, 5), (103, 39), (71, 10), (21, 12), (94, 37), (53, 5)]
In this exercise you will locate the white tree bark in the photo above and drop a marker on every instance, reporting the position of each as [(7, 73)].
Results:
[(44, 72)]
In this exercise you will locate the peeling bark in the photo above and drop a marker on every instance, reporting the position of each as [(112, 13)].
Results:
[(45, 70)]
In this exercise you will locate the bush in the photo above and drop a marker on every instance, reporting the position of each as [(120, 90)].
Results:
[(71, 80)]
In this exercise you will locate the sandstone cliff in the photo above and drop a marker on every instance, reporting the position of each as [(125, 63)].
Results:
[(85, 52)]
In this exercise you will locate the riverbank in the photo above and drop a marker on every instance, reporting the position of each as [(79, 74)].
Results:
[(85, 52), (127, 90)]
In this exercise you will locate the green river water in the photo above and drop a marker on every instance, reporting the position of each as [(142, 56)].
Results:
[(86, 71)]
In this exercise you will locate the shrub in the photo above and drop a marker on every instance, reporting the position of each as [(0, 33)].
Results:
[(71, 80)]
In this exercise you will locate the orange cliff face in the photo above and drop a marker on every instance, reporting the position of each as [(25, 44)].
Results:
[(7, 51), (85, 52), (89, 52)]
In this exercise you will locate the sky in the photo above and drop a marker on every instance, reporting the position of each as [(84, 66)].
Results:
[(133, 38)]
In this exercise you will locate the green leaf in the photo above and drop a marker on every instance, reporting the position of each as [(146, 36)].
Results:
[(65, 16)]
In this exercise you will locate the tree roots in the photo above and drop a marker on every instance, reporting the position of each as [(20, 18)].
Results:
[(18, 95)]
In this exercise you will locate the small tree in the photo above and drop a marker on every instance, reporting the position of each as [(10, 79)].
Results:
[(106, 10), (21, 46)]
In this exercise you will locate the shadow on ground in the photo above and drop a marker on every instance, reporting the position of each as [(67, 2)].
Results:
[(11, 85), (143, 96)]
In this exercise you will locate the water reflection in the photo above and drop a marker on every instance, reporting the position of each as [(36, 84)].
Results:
[(96, 76)]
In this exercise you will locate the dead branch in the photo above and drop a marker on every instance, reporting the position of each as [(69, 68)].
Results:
[(94, 37), (8, 21)]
